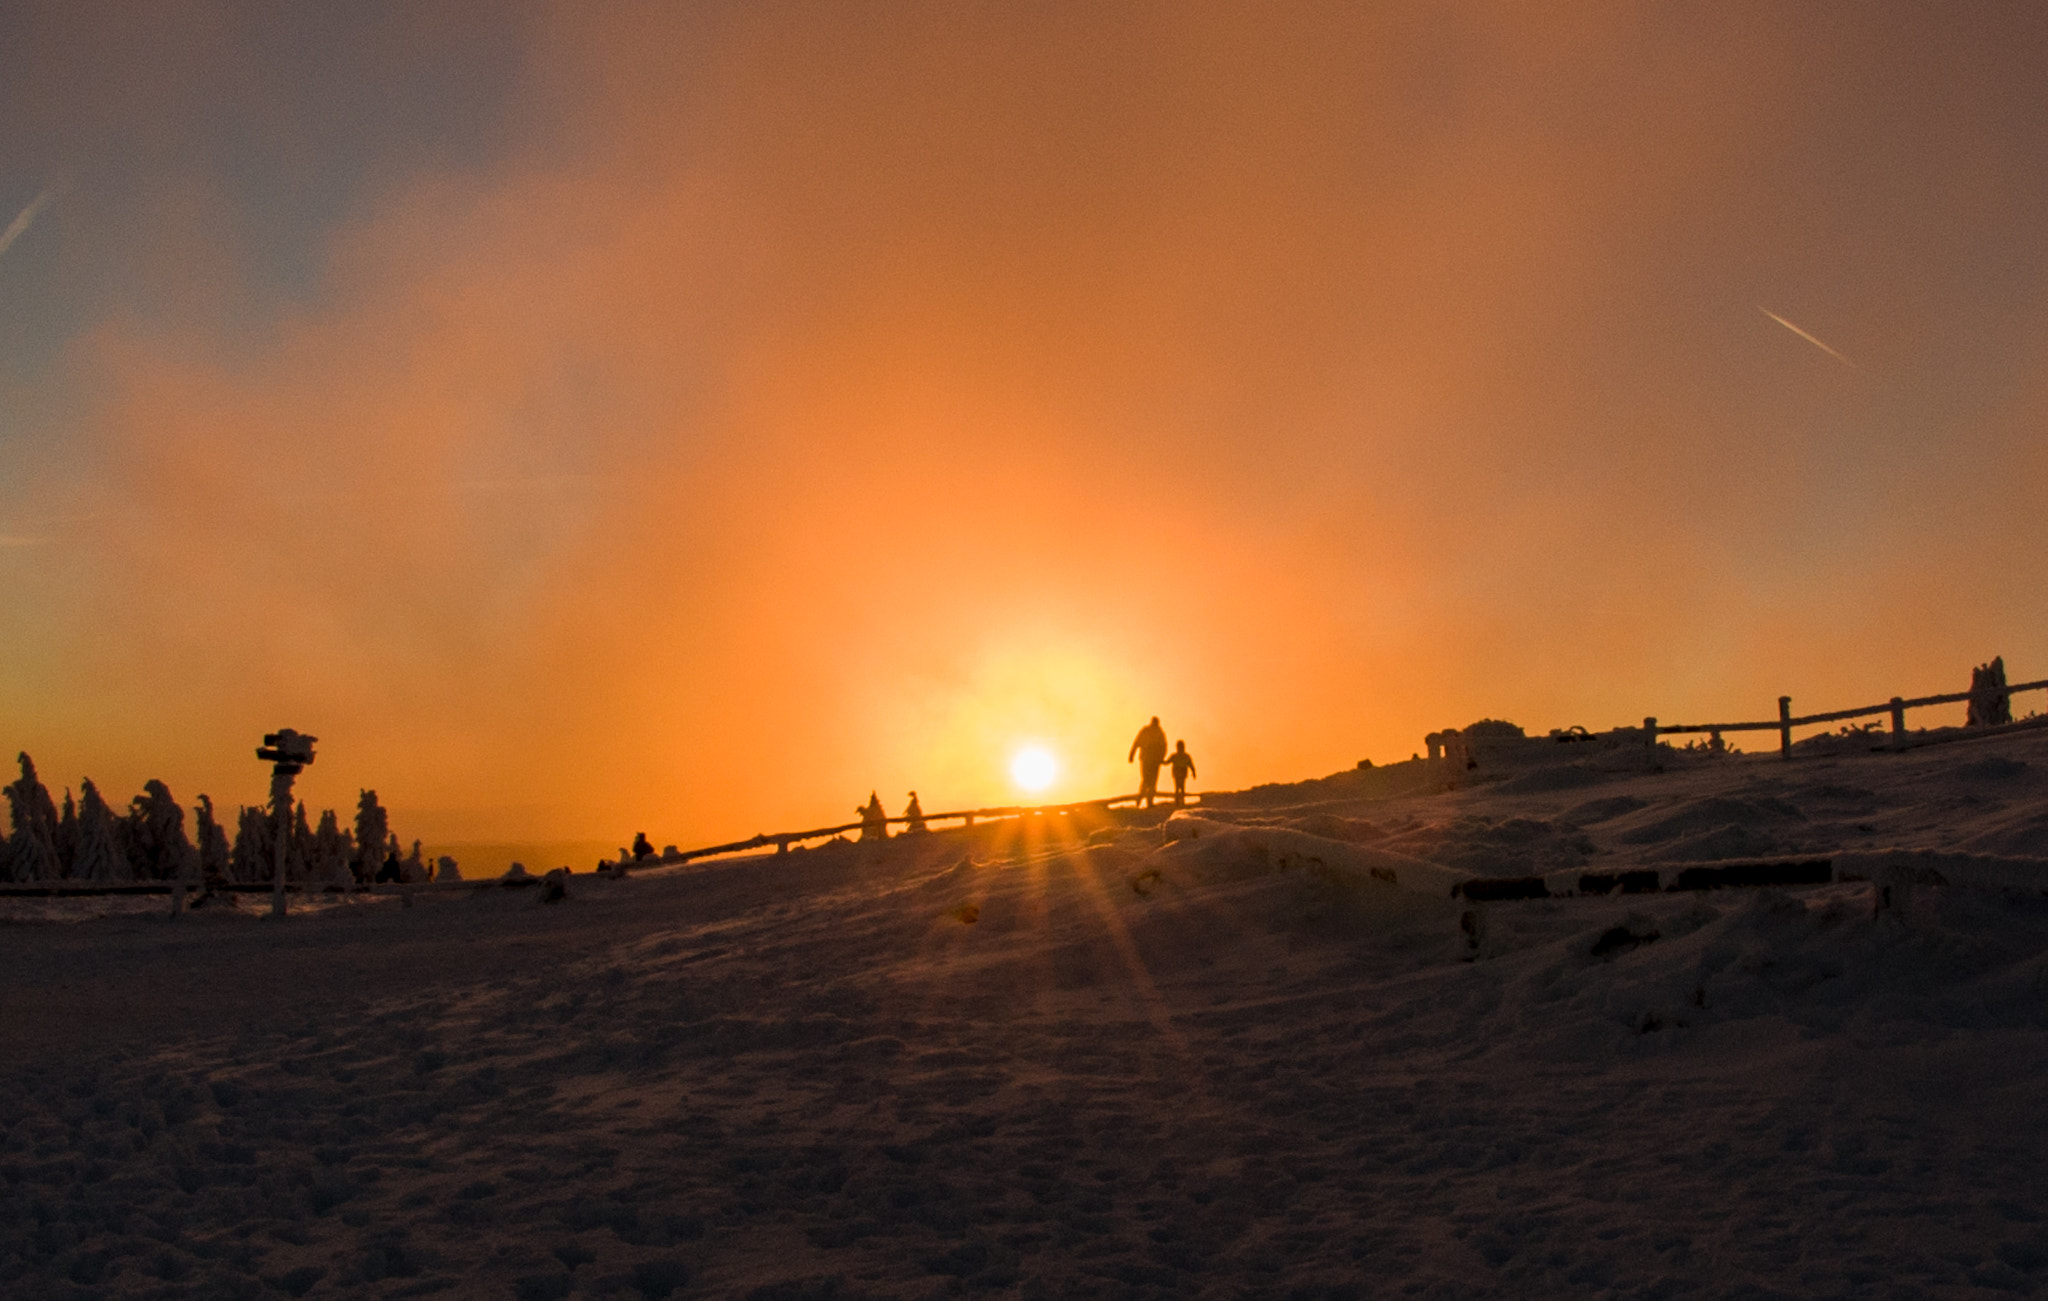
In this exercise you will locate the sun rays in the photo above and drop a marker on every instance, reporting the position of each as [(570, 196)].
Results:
[(1039, 872)]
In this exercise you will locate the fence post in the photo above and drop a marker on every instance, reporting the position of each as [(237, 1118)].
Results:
[(1650, 738), (1785, 726), (1898, 723)]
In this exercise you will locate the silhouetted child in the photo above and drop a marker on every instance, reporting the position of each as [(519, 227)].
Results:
[(913, 816), (874, 822), (1183, 765), (1150, 751)]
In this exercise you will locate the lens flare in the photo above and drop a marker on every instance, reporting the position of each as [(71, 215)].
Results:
[(1033, 768)]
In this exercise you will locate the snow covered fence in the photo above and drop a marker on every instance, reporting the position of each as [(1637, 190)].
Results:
[(1891, 872)]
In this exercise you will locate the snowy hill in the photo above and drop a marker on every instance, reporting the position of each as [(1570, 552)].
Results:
[(1206, 1056)]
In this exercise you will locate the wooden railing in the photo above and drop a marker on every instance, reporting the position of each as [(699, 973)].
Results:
[(782, 840), (1785, 722)]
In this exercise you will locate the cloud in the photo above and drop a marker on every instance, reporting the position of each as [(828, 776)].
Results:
[(21, 223), (813, 405)]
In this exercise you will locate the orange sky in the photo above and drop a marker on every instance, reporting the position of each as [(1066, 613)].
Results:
[(692, 417)]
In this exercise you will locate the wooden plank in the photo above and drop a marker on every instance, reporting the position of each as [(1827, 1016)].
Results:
[(1771, 726)]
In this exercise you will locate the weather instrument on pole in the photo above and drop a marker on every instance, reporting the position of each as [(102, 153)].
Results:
[(288, 752)]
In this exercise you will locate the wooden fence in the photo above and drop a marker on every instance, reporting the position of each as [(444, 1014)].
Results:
[(1785, 721), (782, 840)]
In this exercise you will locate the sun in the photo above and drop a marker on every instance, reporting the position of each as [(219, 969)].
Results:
[(1033, 768)]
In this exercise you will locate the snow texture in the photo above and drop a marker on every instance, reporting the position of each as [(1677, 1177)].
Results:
[(1213, 1055)]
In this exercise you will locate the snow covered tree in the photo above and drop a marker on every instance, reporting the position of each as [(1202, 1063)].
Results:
[(67, 836), (156, 843), (299, 846), (327, 860), (213, 843), (373, 828), (100, 859), (252, 860), (34, 847), (414, 867)]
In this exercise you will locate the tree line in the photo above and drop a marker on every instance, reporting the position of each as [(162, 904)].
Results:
[(86, 840)]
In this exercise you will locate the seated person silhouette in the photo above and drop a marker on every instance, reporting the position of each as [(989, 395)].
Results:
[(874, 822), (1183, 765)]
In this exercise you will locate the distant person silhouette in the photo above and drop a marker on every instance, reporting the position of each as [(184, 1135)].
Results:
[(1149, 749), (642, 847), (874, 822), (913, 816), (1183, 765)]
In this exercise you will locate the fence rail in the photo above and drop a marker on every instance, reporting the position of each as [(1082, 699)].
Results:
[(1786, 721), (782, 840)]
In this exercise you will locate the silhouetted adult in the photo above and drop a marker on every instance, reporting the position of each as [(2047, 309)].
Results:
[(643, 848), (1149, 749), (913, 816), (1183, 765), (874, 822)]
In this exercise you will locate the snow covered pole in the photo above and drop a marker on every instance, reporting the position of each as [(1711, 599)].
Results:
[(1898, 723), (1785, 726), (288, 752), (280, 836)]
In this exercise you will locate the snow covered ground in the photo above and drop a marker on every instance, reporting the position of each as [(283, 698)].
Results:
[(1120, 1062)]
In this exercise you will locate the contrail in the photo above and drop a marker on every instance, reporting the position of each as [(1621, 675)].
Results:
[(22, 222), (1774, 316)]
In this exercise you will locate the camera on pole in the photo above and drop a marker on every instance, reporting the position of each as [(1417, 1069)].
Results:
[(288, 752)]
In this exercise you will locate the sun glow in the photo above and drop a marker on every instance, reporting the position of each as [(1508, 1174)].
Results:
[(1033, 768)]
